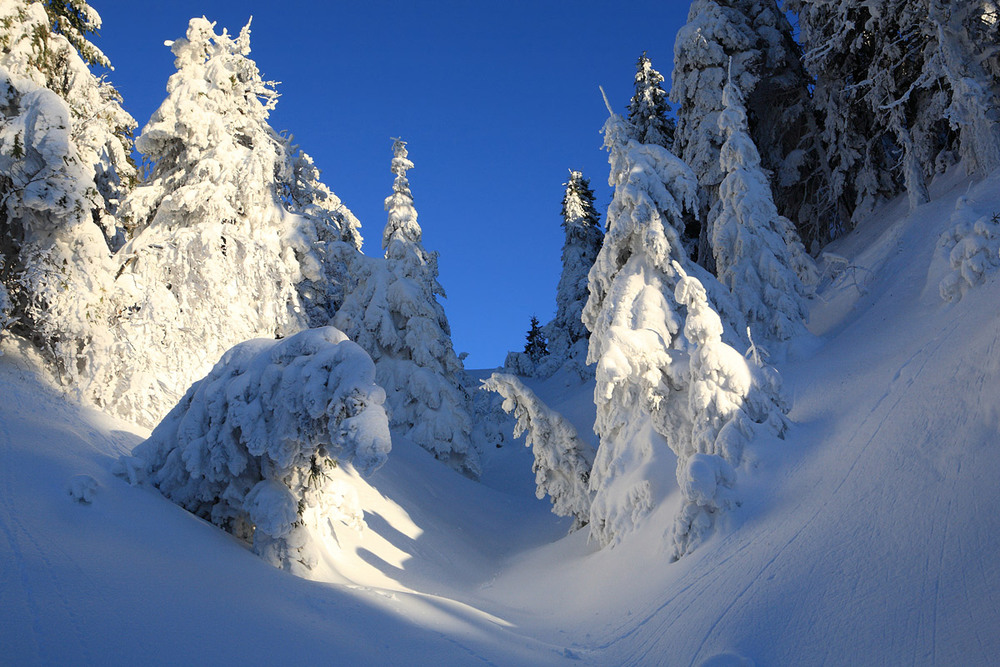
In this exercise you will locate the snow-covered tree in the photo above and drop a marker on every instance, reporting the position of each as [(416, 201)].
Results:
[(753, 40), (957, 32), (634, 327), (227, 225), (394, 314), (649, 110), (904, 89), (326, 236), (5, 317), (64, 164), (837, 52), (757, 251), (562, 460), (249, 447), (567, 336), (729, 401)]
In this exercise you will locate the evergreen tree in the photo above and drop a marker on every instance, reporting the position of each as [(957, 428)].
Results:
[(567, 336), (214, 260), (64, 164), (249, 446), (648, 110), (752, 39), (757, 252), (728, 401), (395, 316), (904, 91), (634, 327), (535, 346)]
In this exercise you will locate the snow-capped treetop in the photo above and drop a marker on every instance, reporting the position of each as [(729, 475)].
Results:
[(649, 110), (583, 238), (214, 117), (402, 223), (395, 316)]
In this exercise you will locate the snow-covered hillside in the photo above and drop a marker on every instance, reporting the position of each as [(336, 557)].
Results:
[(867, 536)]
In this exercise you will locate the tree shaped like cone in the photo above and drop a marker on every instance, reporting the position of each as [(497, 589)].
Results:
[(395, 315), (634, 324), (757, 251)]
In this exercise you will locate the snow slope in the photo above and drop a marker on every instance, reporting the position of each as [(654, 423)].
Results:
[(868, 536)]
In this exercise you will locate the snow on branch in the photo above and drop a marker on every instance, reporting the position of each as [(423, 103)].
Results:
[(562, 460)]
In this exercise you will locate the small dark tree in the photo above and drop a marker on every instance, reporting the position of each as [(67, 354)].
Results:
[(535, 346), (648, 110)]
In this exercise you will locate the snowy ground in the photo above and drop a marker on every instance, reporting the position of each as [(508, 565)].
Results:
[(869, 536)]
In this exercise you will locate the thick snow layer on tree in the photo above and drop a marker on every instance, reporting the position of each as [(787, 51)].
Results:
[(250, 446), (56, 264), (394, 314)]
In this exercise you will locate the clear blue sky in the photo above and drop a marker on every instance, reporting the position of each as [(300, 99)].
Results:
[(498, 100)]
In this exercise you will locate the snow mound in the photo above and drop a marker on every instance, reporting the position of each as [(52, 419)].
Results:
[(250, 447)]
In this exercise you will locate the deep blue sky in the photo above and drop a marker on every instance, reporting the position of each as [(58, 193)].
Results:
[(497, 100)]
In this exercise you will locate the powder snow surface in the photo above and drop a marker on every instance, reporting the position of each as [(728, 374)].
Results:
[(868, 536)]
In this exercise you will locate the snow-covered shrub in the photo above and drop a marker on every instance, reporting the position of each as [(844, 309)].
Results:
[(395, 316), (248, 446), (562, 460), (972, 246), (729, 399)]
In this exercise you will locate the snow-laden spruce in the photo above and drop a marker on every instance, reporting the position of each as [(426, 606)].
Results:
[(566, 333), (751, 40), (971, 249), (757, 252), (249, 447), (649, 110), (634, 325), (565, 336), (562, 460), (729, 401), (326, 236), (895, 127), (230, 224), (395, 316), (64, 165)]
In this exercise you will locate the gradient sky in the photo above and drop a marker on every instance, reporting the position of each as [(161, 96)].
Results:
[(498, 100)]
